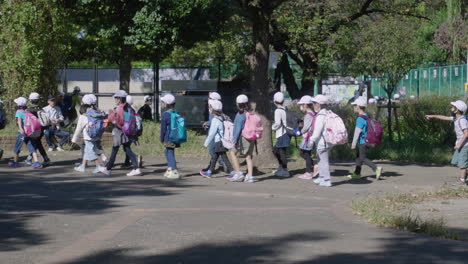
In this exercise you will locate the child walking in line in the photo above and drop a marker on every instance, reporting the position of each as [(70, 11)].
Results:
[(168, 101), (359, 139), (244, 147), (92, 132), (216, 97), (127, 163), (320, 103), (215, 135), (22, 137), (306, 105), (35, 109), (460, 155), (123, 134), (282, 139)]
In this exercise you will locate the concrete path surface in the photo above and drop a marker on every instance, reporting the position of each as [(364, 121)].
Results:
[(55, 215)]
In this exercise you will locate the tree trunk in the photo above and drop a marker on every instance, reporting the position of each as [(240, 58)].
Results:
[(288, 77), (125, 67), (258, 62)]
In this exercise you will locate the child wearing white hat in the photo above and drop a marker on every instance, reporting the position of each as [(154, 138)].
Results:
[(215, 135), (145, 111), (169, 102), (460, 155), (359, 140), (306, 106), (282, 139)]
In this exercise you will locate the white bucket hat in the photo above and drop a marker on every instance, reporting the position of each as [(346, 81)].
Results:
[(306, 99), (34, 96), (460, 105), (361, 102), (120, 94), (214, 96), (89, 99), (320, 99), (242, 99), (216, 105), (168, 99), (21, 101), (278, 97)]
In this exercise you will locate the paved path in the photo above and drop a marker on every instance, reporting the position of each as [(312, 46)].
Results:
[(54, 215)]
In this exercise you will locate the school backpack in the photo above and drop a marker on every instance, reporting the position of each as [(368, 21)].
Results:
[(95, 123), (374, 131), (228, 136), (129, 126), (292, 123), (43, 118), (31, 125), (335, 132), (253, 127), (178, 131)]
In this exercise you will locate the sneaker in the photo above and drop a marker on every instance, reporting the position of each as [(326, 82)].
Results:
[(284, 173), (28, 162), (231, 175), (277, 172), (378, 173), (13, 164), (354, 176), (239, 176), (326, 183), (305, 176), (174, 175), (135, 172), (168, 173), (462, 180), (250, 179), (105, 171), (46, 163), (51, 149), (60, 149), (36, 165), (80, 168), (206, 174), (97, 169), (140, 161), (316, 171), (318, 180)]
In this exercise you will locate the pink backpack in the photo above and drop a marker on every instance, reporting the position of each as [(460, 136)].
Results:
[(228, 137), (374, 131), (31, 125), (253, 127), (335, 132)]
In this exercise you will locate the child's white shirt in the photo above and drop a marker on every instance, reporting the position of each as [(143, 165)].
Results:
[(280, 122), (81, 127), (216, 131), (460, 125)]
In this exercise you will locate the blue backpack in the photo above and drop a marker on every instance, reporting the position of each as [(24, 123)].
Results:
[(178, 132), (95, 123)]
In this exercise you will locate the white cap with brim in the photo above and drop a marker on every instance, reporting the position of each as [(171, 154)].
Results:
[(214, 96), (34, 96), (278, 97), (120, 94), (361, 102), (242, 99), (216, 105), (306, 99), (147, 98), (21, 101), (320, 99), (89, 99), (460, 105), (168, 99)]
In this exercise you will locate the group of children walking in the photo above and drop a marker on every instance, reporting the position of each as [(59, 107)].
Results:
[(320, 129)]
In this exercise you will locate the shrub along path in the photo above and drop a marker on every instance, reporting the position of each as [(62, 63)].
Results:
[(55, 215)]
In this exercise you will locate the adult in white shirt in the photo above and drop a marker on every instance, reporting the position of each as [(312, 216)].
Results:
[(56, 117), (282, 139)]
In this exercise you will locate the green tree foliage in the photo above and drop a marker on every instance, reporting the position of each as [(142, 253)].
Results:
[(33, 41)]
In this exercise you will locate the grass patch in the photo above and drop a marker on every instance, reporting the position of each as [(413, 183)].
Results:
[(386, 210)]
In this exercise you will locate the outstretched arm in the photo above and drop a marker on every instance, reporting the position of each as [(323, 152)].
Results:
[(440, 117)]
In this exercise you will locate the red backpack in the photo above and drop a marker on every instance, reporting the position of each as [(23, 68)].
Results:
[(374, 131)]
